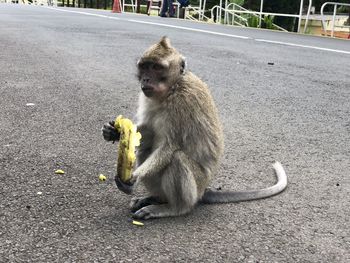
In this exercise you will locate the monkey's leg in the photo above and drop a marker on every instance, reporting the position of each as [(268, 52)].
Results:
[(138, 203), (178, 188)]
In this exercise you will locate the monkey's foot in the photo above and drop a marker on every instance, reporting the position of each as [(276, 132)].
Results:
[(124, 187), (138, 203), (157, 211), (147, 212)]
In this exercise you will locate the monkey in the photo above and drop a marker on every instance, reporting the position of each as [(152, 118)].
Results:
[(182, 140)]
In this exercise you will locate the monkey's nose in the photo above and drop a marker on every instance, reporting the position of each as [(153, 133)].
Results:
[(145, 79)]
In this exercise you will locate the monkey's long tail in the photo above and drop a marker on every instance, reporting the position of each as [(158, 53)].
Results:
[(212, 196)]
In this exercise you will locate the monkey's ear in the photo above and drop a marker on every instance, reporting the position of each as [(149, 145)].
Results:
[(165, 42)]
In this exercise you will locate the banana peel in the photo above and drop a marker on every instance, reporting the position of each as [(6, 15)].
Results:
[(129, 140)]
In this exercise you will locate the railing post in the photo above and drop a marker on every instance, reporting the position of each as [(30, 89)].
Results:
[(204, 3), (200, 10), (307, 16), (261, 10), (233, 14), (333, 19), (225, 17), (220, 10), (300, 14)]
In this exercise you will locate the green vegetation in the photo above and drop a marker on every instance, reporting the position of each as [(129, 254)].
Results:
[(289, 7), (253, 21), (268, 20), (277, 6)]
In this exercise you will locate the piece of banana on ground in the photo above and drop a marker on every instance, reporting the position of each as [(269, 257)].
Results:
[(129, 140)]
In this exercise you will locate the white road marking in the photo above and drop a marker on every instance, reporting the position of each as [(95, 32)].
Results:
[(188, 28), (206, 31), (83, 13), (153, 23), (303, 46)]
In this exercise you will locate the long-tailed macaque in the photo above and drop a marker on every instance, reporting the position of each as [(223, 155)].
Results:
[(182, 140)]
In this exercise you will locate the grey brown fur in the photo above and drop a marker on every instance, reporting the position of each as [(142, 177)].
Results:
[(182, 139)]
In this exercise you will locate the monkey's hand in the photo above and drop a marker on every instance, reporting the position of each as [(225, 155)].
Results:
[(124, 187), (135, 176), (110, 133)]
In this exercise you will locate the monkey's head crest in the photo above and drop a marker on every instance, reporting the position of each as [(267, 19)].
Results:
[(165, 42), (162, 49)]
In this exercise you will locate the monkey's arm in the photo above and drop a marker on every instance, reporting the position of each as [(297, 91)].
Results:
[(144, 150), (147, 141), (155, 162)]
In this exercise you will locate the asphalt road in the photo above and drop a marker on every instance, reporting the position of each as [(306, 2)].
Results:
[(79, 72)]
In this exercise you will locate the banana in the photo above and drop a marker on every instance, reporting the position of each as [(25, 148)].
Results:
[(102, 178), (129, 139)]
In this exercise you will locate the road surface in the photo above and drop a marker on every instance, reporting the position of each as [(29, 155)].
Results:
[(65, 71)]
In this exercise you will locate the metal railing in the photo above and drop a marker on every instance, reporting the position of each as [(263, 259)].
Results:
[(333, 17), (31, 2), (231, 15), (192, 11), (133, 6), (237, 11)]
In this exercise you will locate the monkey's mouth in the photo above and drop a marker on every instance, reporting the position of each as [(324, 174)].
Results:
[(147, 90)]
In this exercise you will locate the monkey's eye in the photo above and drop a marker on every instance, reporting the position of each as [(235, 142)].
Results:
[(143, 66), (162, 79), (157, 67)]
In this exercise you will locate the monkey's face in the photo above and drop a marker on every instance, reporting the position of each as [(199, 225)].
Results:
[(154, 78), (159, 69)]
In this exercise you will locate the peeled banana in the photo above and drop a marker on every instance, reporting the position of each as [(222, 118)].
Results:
[(102, 178), (129, 139)]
